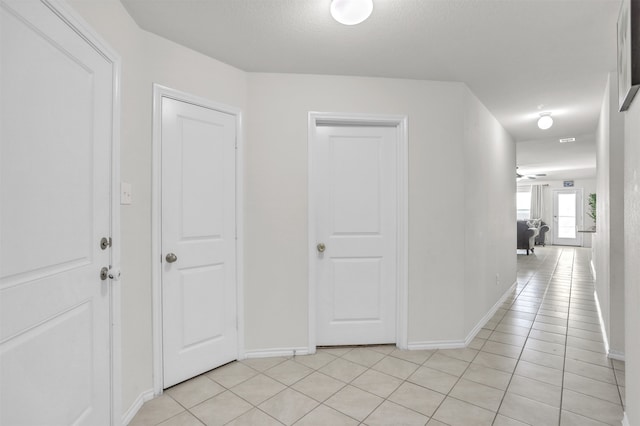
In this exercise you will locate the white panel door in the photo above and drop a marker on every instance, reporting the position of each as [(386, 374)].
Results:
[(55, 154), (354, 173), (198, 227), (567, 217)]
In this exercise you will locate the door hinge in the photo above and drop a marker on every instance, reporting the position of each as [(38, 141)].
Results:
[(105, 242)]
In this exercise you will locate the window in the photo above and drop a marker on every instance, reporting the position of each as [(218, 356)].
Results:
[(523, 202)]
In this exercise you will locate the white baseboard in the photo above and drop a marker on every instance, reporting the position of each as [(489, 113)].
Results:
[(625, 420), (489, 314), (135, 407), (603, 328), (457, 344), (268, 353), (617, 355), (436, 344)]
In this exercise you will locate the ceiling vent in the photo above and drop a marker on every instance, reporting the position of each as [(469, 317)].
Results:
[(565, 140)]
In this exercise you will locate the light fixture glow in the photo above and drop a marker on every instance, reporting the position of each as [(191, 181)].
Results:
[(351, 12), (545, 121)]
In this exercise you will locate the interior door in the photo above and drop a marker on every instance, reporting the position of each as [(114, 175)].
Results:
[(567, 217), (198, 239), (55, 172), (354, 174)]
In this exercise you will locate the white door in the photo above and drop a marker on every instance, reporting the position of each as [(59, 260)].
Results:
[(567, 217), (354, 176), (198, 228), (55, 171)]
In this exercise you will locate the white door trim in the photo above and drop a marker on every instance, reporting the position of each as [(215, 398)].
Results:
[(401, 124), (75, 21), (159, 92)]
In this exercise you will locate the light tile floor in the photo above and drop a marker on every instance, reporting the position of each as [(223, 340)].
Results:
[(539, 361)]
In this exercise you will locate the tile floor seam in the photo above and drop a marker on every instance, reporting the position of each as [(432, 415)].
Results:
[(615, 377), (527, 338), (448, 394), (564, 358)]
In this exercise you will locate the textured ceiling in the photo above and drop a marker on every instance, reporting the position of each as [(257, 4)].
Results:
[(514, 54)]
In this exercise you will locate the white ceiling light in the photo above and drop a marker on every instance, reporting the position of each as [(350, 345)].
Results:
[(545, 121), (351, 12)]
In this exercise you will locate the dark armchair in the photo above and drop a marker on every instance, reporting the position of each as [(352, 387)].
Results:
[(542, 230), (526, 236)]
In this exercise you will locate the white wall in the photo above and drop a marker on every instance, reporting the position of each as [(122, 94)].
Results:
[(631, 256), (147, 59), (609, 240), (449, 130), (442, 222), (490, 210), (276, 198)]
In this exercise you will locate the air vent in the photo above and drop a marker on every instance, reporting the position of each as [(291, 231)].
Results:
[(565, 140)]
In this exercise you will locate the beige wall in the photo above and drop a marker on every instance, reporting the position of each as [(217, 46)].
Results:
[(147, 59), (632, 265), (276, 186), (457, 151), (449, 130), (490, 211)]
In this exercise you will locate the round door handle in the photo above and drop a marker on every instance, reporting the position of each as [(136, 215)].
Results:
[(171, 258), (321, 247)]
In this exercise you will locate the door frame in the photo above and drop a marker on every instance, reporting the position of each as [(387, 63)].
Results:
[(579, 214), (76, 22), (400, 122), (160, 92)]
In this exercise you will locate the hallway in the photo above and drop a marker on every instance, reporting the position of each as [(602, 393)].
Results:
[(539, 361)]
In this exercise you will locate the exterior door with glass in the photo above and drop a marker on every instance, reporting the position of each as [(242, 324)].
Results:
[(567, 217)]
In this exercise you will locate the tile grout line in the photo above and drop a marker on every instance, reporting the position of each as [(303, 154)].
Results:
[(566, 340), (530, 328)]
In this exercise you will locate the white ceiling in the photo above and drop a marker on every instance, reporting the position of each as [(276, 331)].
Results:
[(514, 54)]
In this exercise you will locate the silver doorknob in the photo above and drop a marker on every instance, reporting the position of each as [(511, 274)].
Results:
[(171, 258), (321, 247)]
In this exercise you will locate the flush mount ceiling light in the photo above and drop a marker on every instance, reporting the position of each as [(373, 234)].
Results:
[(351, 12), (545, 121)]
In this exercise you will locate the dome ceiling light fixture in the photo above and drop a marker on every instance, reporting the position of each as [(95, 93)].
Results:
[(545, 121), (351, 12)]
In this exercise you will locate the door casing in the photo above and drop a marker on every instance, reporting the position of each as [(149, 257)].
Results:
[(400, 122), (159, 92)]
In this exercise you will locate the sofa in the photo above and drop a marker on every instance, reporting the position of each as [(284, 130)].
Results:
[(526, 236)]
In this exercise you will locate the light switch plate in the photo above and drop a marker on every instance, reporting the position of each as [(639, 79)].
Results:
[(126, 196)]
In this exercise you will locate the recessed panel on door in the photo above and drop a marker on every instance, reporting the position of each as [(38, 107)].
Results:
[(28, 366), (202, 161), (355, 184), (202, 302), (357, 289), (198, 240), (355, 190)]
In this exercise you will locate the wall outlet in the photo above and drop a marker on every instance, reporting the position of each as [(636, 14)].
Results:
[(126, 194), (497, 279)]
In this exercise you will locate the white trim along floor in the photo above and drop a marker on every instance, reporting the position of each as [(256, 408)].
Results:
[(539, 361)]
